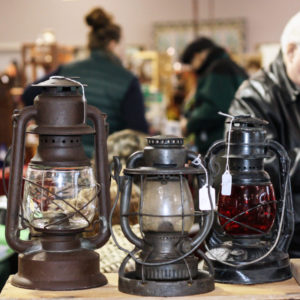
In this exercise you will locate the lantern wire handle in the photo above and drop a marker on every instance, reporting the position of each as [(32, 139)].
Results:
[(83, 92), (116, 176)]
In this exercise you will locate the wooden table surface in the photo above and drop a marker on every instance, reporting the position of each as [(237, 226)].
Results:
[(288, 289)]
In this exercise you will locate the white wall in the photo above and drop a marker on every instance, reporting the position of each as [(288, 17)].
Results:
[(22, 20), (265, 18)]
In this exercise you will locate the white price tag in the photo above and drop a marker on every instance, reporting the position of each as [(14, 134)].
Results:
[(204, 203), (226, 183)]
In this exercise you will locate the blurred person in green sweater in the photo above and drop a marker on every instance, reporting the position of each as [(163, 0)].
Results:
[(110, 87), (218, 78)]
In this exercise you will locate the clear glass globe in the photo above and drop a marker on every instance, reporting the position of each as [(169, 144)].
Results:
[(162, 206), (59, 198)]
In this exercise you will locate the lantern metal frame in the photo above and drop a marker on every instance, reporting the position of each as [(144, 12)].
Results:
[(166, 265), (58, 259), (262, 257)]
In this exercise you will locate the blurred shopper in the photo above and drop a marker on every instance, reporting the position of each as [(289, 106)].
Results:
[(111, 88), (218, 79), (274, 95)]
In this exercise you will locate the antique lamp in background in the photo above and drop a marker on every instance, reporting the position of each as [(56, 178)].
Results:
[(166, 265), (60, 193), (253, 225)]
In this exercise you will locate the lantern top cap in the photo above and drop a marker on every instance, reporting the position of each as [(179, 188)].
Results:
[(59, 82), (165, 140), (247, 121)]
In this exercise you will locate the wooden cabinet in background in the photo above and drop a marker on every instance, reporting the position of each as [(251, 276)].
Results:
[(38, 60), (6, 111)]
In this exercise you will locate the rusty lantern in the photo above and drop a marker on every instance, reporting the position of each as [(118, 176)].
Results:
[(167, 265), (61, 197)]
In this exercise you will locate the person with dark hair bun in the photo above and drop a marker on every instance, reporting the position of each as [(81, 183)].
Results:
[(98, 18), (104, 33), (110, 87)]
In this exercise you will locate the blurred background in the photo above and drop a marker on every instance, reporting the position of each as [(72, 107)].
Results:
[(37, 36)]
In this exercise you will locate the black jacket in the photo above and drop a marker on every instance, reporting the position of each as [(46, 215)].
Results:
[(271, 96)]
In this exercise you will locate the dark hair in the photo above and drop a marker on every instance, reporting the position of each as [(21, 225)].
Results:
[(196, 46), (103, 29)]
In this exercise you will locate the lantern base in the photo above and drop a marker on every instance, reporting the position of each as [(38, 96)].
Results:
[(131, 284), (158, 246), (275, 267), (58, 271)]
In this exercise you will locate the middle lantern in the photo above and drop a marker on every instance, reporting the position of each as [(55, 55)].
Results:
[(165, 260)]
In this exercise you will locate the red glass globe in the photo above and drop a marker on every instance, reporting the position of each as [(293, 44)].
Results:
[(250, 205)]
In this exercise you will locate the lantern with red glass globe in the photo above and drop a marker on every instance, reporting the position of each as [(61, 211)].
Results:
[(253, 224)]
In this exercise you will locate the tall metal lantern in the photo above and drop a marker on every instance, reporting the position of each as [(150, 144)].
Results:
[(61, 197), (253, 224), (166, 265)]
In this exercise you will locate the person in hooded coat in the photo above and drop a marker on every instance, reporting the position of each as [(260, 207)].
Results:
[(218, 78)]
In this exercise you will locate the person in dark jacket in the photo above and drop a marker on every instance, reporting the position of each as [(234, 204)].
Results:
[(110, 87), (218, 79), (274, 95)]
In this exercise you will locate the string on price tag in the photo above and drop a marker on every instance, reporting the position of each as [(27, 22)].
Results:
[(207, 194), (226, 177)]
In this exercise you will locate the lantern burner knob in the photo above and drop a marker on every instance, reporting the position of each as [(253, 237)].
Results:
[(165, 141)]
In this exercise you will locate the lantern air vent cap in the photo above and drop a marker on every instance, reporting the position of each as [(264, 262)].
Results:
[(165, 141), (248, 121), (58, 82)]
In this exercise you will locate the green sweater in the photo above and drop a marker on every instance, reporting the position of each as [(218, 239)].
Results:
[(107, 83), (215, 90)]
